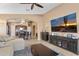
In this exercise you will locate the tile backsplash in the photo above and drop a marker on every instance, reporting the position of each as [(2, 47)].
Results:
[(70, 35)]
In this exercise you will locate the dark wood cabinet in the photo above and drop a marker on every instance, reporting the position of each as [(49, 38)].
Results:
[(45, 36), (66, 43)]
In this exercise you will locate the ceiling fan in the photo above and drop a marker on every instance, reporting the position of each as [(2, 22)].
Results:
[(33, 4)]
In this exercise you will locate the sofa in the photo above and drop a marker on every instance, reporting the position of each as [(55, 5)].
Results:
[(10, 44)]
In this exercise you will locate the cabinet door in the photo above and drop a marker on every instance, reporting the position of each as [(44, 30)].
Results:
[(53, 40), (64, 44), (74, 43), (59, 43), (72, 46)]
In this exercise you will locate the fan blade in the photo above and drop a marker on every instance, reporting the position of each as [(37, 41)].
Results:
[(25, 3), (38, 5), (32, 6)]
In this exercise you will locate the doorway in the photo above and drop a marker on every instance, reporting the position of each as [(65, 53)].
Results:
[(8, 28), (34, 33), (20, 31)]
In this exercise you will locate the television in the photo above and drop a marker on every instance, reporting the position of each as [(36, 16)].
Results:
[(64, 24)]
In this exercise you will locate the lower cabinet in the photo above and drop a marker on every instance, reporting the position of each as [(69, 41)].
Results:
[(66, 43)]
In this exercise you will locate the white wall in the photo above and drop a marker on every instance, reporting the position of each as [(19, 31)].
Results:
[(2, 27), (12, 30)]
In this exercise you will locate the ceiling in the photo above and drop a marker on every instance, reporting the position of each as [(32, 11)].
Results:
[(17, 8)]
